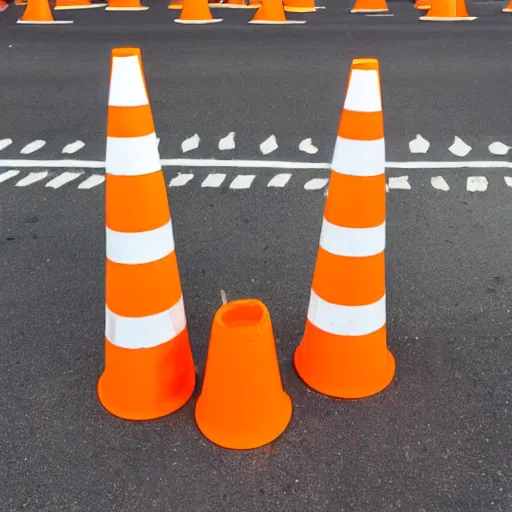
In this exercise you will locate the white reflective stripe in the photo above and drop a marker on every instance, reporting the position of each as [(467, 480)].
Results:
[(139, 248), (357, 242), (346, 320), (126, 83), (132, 156), (146, 331), (363, 94), (359, 157)]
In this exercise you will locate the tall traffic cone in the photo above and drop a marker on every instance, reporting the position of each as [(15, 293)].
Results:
[(196, 12), (242, 403), (149, 370), (67, 5), (370, 6), (271, 12), (126, 5), (343, 352), (38, 12), (508, 8), (447, 10)]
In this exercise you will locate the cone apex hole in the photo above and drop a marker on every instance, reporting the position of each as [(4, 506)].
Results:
[(242, 315)]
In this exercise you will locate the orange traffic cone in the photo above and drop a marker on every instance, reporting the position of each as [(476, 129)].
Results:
[(196, 12), (422, 5), (149, 371), (299, 5), (66, 5), (38, 12), (271, 12), (126, 5), (508, 8), (242, 403), (343, 352), (447, 10), (370, 6)]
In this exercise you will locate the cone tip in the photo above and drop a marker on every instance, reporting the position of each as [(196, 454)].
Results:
[(366, 63), (242, 313), (126, 52)]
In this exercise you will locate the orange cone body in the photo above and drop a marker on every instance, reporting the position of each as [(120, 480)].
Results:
[(343, 352), (125, 5), (422, 5), (242, 403), (370, 6), (38, 12), (272, 12), (299, 5), (196, 12), (62, 5), (447, 10), (508, 8), (149, 371)]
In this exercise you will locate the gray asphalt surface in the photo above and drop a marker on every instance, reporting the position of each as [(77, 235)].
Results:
[(438, 439)]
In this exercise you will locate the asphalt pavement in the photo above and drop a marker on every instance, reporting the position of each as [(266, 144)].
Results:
[(439, 438)]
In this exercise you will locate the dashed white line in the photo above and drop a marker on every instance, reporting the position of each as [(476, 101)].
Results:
[(228, 142), (5, 143), (92, 181), (439, 183), (242, 181), (477, 184), (191, 143), (419, 144), (62, 179), (280, 180), (498, 148), (459, 147), (508, 181), (32, 147), (180, 180), (399, 183), (269, 145), (213, 180), (308, 147), (316, 184), (7, 175), (33, 177), (73, 147)]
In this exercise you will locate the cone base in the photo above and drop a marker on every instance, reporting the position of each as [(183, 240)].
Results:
[(198, 22), (287, 22), (369, 10), (458, 18), (300, 9), (175, 7), (77, 7), (507, 9), (238, 440), (127, 9), (63, 22)]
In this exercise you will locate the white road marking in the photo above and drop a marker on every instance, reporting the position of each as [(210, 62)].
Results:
[(228, 142), (191, 143), (477, 184), (213, 180), (399, 183), (508, 181), (180, 180), (242, 181), (73, 147), (316, 184), (7, 175), (62, 179), (498, 148), (419, 144), (33, 177), (459, 147), (269, 145), (92, 181), (280, 180), (307, 146), (439, 183), (5, 143), (32, 147)]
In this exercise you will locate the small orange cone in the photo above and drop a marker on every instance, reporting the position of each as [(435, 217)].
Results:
[(242, 403), (422, 5), (196, 12), (508, 8), (343, 352), (38, 12), (447, 10), (66, 5), (299, 5), (126, 5), (271, 12), (149, 371), (370, 6)]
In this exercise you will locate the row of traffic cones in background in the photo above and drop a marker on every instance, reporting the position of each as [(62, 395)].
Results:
[(149, 369)]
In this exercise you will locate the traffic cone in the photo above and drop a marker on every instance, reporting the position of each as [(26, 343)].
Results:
[(370, 6), (343, 352), (508, 8), (196, 12), (126, 5), (271, 12), (299, 5), (38, 12), (242, 403), (3, 6), (447, 10), (66, 5), (149, 370), (422, 5)]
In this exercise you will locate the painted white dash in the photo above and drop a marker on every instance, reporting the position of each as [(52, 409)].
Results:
[(191, 143), (33, 177), (227, 142), (5, 143), (213, 180), (269, 145), (307, 147), (477, 184), (180, 180), (242, 181), (62, 179), (316, 184), (498, 148), (439, 183), (280, 180), (459, 147), (92, 181), (32, 147), (419, 144), (399, 183), (7, 175), (508, 181), (73, 147)]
